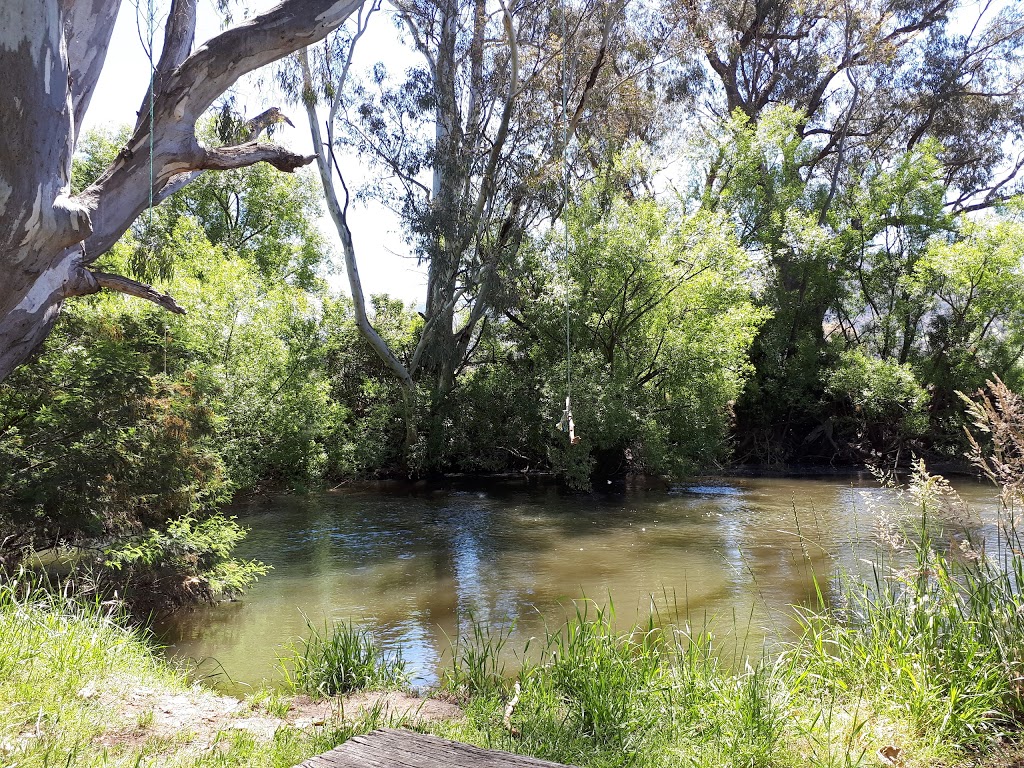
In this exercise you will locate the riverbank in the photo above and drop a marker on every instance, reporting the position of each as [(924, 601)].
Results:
[(917, 664), (921, 669), (79, 688)]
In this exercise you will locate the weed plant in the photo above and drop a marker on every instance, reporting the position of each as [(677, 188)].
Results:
[(340, 658)]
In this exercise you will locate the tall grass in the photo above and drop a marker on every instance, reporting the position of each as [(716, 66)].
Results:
[(340, 658), (924, 661), (940, 640), (68, 671)]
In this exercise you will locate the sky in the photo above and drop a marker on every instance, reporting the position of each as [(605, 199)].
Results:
[(384, 262), (384, 259)]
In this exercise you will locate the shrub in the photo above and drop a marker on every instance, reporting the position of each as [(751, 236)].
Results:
[(187, 561)]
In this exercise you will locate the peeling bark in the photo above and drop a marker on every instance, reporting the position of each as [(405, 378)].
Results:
[(51, 54)]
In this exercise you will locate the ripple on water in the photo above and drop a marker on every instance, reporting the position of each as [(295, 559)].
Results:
[(707, 490), (414, 568)]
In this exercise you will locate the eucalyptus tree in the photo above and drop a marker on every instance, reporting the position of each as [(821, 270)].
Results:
[(52, 53), (469, 145)]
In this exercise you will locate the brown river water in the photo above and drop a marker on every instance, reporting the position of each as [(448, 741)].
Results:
[(732, 554)]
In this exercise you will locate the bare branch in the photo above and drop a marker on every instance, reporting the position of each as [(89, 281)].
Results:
[(244, 155), (340, 218), (125, 285), (595, 70)]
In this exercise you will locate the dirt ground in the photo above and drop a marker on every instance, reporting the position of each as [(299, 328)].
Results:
[(141, 713)]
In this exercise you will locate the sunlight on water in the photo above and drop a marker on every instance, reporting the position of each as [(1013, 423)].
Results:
[(414, 568)]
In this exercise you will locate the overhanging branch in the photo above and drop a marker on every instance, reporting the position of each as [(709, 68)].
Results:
[(143, 168), (131, 287), (244, 155)]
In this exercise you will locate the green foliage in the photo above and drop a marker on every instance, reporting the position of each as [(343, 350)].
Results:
[(880, 405), (340, 659), (477, 665), (660, 325), (259, 344), (186, 561), (94, 441), (265, 217), (133, 425), (611, 685), (867, 265), (360, 382), (96, 149)]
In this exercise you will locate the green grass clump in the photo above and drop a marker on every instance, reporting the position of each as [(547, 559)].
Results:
[(68, 672), (924, 661), (592, 695), (338, 659)]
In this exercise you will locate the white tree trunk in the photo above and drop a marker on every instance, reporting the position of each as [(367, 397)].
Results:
[(51, 54), (339, 215)]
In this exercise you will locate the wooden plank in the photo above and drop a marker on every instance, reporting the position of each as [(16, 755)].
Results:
[(390, 748)]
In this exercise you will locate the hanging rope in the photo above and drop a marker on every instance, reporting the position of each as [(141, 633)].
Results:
[(151, 23), (566, 424)]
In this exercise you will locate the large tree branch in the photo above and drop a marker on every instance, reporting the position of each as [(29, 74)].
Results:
[(217, 65), (48, 238), (244, 155), (179, 34), (139, 290), (88, 26), (184, 94)]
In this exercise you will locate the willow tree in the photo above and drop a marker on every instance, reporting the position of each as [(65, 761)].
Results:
[(52, 53)]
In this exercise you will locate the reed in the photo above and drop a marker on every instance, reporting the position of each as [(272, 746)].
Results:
[(340, 658)]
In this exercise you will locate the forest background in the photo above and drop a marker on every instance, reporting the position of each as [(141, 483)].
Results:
[(773, 233)]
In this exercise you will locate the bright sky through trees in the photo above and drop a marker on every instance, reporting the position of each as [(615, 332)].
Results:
[(386, 267)]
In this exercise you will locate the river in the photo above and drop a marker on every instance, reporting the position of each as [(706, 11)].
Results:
[(732, 553)]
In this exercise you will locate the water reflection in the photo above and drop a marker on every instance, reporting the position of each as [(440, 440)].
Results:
[(415, 568)]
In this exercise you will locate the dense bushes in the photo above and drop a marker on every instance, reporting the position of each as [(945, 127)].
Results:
[(838, 337)]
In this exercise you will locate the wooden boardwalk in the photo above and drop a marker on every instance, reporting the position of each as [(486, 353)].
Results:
[(389, 748)]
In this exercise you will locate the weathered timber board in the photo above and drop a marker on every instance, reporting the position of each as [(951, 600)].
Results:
[(389, 748)]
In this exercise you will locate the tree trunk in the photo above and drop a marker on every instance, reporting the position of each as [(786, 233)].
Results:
[(48, 238), (38, 219)]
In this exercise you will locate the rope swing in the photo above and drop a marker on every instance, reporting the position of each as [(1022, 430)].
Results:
[(148, 39), (566, 423)]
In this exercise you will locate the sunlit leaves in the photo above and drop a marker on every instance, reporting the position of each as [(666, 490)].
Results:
[(660, 324)]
